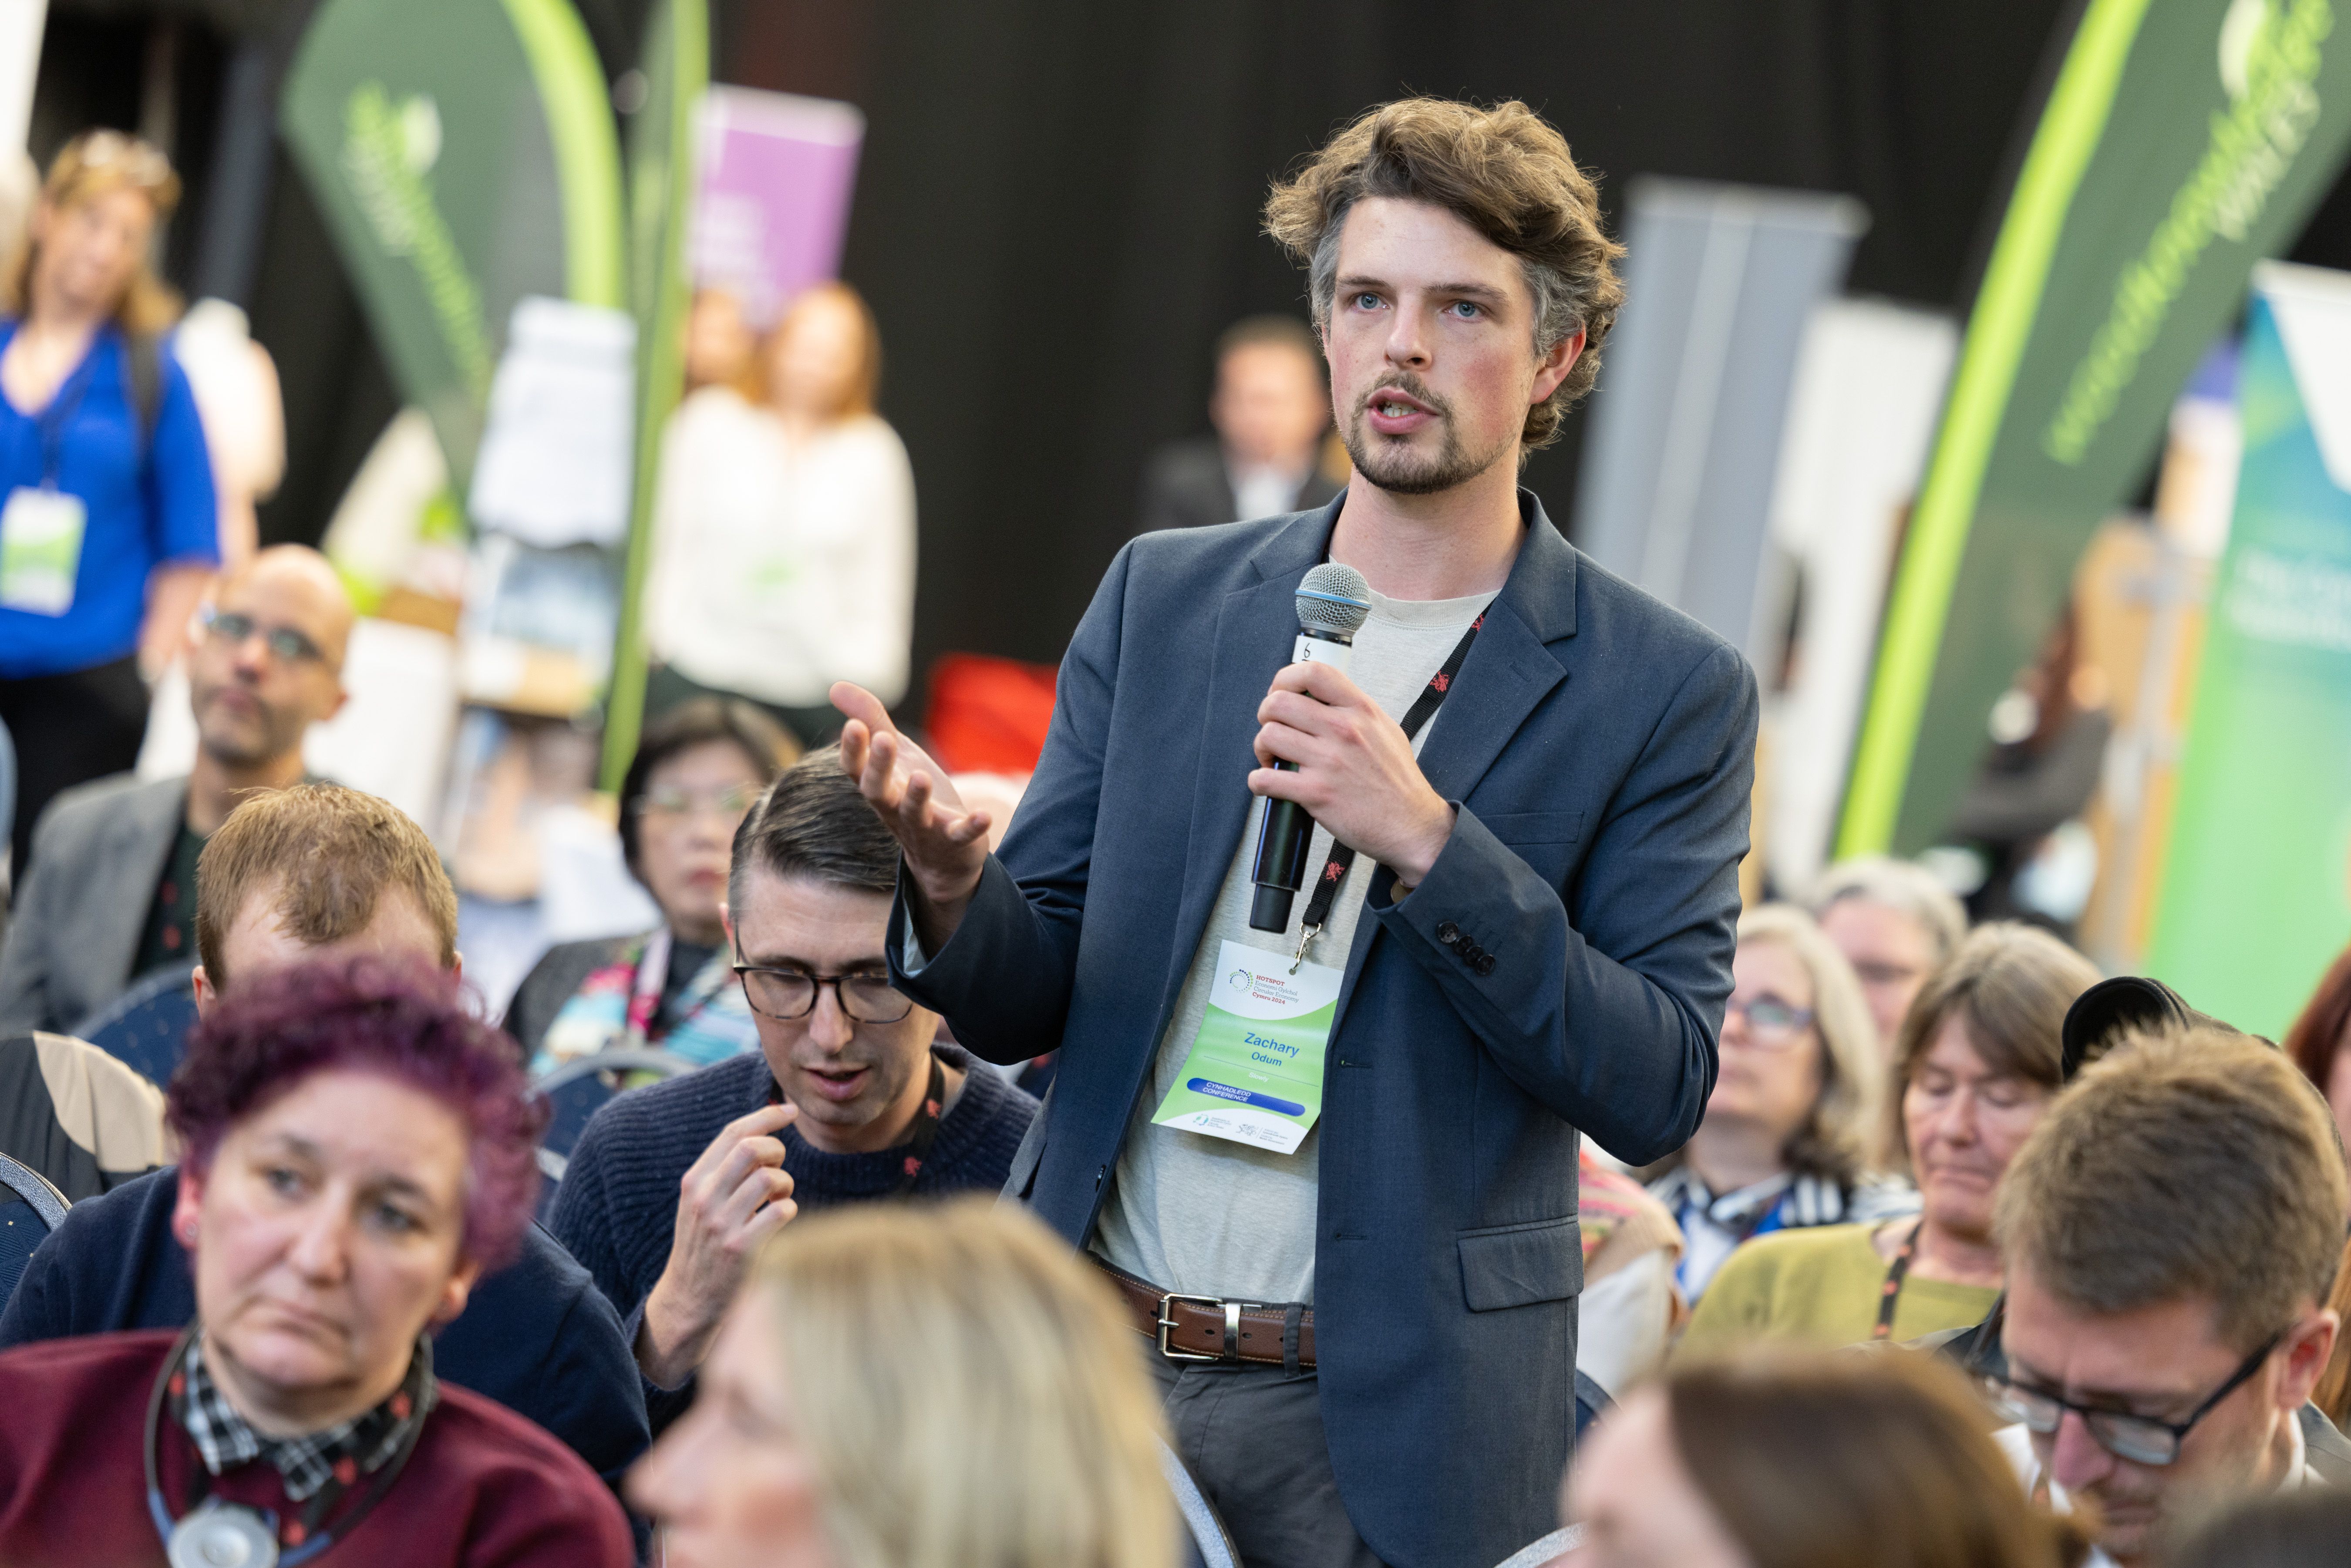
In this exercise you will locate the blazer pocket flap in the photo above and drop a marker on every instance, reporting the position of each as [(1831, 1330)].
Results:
[(1534, 827), (1515, 1265)]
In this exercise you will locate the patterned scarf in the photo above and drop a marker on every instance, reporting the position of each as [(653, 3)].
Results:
[(344, 1452), (616, 1008)]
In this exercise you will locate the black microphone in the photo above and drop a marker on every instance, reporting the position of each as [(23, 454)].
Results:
[(1333, 603)]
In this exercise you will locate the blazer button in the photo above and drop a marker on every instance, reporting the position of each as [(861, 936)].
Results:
[(1099, 1172), (1484, 963), (1448, 933)]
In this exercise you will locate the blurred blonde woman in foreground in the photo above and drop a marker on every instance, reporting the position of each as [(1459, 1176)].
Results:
[(1789, 1458), (942, 1386)]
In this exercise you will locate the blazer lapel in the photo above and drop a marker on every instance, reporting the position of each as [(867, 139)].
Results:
[(1508, 672)]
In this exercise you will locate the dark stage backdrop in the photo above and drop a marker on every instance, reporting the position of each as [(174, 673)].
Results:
[(1058, 206), (1057, 212)]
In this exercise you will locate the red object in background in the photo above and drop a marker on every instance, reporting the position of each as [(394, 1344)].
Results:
[(988, 716)]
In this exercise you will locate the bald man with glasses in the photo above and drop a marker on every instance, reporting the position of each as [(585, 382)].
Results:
[(110, 892), (848, 1098)]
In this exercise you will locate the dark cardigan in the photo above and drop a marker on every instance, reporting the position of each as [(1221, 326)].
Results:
[(617, 1209)]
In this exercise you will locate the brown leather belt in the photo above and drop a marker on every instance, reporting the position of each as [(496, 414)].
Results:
[(1204, 1328)]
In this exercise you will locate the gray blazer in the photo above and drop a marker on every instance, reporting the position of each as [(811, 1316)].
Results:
[(74, 932)]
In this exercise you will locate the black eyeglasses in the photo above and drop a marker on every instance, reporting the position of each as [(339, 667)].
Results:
[(785, 995), (233, 627), (2141, 1440)]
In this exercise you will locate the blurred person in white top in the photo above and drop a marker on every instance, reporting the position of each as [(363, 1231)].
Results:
[(784, 543)]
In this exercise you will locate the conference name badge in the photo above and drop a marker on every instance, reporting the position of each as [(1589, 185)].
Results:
[(40, 550), (1254, 1074)]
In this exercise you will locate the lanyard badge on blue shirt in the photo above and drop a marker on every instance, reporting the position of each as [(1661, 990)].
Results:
[(41, 528)]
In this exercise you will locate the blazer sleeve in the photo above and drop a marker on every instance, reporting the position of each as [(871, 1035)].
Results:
[(1024, 918), (1606, 1006)]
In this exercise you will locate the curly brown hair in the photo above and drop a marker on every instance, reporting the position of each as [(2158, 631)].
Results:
[(1503, 172)]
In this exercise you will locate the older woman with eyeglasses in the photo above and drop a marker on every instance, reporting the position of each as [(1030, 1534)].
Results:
[(1790, 1128), (697, 772), (109, 531), (1979, 1059), (849, 1098)]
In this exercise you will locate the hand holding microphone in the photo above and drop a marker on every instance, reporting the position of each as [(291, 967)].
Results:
[(1328, 754)]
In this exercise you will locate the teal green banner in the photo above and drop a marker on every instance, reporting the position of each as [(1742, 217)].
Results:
[(2180, 143), (463, 154), (2256, 894)]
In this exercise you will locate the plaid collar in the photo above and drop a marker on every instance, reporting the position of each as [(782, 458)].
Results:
[(342, 1453)]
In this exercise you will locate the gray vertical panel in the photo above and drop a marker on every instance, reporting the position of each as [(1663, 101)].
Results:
[(1677, 479)]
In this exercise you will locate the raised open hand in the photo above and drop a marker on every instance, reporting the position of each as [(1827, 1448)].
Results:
[(946, 846)]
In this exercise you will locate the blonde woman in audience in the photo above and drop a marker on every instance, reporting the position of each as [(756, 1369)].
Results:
[(942, 1386), (1790, 1459), (784, 533), (1976, 1064), (1795, 1109)]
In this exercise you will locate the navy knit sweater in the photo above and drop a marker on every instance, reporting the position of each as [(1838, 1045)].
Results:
[(617, 1209)]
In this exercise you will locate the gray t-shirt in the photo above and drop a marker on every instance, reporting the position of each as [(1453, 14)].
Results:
[(1205, 1216)]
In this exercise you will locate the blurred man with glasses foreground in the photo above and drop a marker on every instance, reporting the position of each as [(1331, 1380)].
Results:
[(2171, 1231), (111, 892), (672, 1188)]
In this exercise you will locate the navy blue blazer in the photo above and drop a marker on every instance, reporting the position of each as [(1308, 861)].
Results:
[(537, 1336), (1599, 747)]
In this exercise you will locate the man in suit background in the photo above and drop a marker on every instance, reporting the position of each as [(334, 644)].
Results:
[(111, 894), (1371, 1349), (1269, 410)]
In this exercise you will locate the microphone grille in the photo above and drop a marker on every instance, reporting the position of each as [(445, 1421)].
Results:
[(1333, 597)]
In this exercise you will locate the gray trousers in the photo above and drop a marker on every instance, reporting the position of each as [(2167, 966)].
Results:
[(1252, 1437)]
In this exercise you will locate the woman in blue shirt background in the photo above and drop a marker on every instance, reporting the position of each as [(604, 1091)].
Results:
[(109, 531)]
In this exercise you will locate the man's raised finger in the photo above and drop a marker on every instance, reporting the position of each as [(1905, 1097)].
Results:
[(762, 1123), (749, 1195)]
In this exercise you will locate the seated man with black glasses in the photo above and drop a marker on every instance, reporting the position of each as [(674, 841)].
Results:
[(2171, 1231), (672, 1188)]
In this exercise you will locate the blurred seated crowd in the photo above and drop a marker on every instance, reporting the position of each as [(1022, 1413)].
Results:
[(1976, 1259), (2049, 1274)]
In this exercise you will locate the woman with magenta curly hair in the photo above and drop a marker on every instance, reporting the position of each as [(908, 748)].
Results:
[(357, 1148)]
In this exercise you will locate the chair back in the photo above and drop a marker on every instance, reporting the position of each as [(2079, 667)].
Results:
[(1207, 1544), (146, 1028), (1550, 1548), (29, 1209), (578, 1090)]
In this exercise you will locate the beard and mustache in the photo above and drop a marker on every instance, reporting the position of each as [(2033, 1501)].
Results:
[(1389, 464)]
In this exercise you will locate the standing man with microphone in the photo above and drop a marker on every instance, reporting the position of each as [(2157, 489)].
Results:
[(1332, 1167)]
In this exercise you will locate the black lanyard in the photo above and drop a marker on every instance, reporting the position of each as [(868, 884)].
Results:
[(1896, 1273), (926, 1126), (63, 403), (1334, 870)]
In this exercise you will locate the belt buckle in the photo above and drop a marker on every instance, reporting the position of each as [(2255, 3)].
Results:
[(1232, 1310)]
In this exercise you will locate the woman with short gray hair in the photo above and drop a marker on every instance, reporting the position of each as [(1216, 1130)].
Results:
[(1896, 924)]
